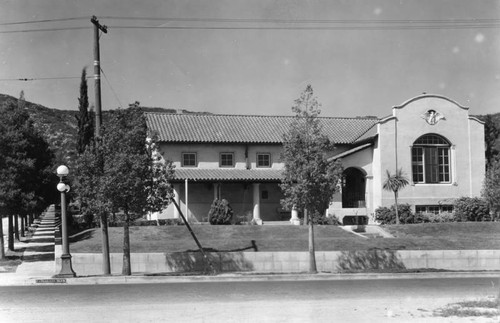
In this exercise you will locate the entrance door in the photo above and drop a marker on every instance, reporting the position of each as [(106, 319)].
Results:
[(353, 188)]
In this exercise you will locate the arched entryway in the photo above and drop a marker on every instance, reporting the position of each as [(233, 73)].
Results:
[(353, 188)]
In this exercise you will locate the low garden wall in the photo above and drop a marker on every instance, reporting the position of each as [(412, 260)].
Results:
[(292, 262)]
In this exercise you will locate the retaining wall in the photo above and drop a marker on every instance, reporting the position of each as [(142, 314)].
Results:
[(290, 262)]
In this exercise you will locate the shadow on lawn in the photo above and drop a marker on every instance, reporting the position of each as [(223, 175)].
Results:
[(83, 235), (374, 259), (222, 260)]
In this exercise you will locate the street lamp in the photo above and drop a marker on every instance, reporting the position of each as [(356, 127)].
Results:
[(66, 269)]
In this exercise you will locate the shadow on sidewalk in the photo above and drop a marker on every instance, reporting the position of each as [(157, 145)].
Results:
[(39, 257), (47, 248)]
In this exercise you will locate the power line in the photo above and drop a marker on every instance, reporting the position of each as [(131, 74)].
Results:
[(39, 30), (111, 87), (393, 27), (300, 21), (312, 27), (41, 21), (43, 78), (300, 24), (275, 20)]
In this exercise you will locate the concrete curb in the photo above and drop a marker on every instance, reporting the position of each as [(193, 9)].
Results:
[(236, 277)]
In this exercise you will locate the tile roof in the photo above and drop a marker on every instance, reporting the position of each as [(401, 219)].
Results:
[(227, 174), (215, 128)]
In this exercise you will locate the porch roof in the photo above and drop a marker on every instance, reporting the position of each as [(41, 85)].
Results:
[(351, 151), (228, 175)]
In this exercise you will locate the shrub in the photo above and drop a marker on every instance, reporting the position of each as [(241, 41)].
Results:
[(322, 219), (220, 212), (471, 209), (387, 215), (437, 218), (170, 222)]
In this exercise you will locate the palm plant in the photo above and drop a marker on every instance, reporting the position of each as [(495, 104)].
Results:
[(394, 183)]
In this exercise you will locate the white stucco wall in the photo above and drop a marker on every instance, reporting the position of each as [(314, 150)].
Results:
[(208, 155), (467, 151)]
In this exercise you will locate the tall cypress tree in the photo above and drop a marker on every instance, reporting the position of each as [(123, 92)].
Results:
[(84, 118)]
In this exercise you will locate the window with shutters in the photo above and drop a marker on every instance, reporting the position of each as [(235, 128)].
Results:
[(431, 159)]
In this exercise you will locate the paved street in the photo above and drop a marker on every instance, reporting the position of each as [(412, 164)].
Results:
[(395, 300)]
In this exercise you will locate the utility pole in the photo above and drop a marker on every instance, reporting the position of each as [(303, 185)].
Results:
[(97, 74), (106, 263)]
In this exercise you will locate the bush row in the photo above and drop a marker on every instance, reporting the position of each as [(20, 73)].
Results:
[(465, 209)]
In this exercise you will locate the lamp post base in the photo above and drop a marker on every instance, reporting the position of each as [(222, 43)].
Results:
[(66, 268)]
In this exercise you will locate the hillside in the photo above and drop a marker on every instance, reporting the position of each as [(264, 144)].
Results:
[(60, 127)]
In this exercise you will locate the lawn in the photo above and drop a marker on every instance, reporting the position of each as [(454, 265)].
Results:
[(428, 236)]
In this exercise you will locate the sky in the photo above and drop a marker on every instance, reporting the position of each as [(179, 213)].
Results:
[(362, 57)]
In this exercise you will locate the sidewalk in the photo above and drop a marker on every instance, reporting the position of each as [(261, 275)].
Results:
[(37, 253)]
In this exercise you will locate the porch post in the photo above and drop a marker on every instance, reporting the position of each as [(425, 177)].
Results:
[(186, 197), (216, 190), (256, 203), (369, 198), (177, 200), (295, 216)]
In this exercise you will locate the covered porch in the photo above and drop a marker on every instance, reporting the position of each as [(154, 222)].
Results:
[(253, 194)]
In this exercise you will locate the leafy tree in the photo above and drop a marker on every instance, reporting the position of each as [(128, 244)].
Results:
[(134, 177), (309, 180), (394, 183), (491, 133), (491, 187), (89, 188), (25, 162), (84, 118)]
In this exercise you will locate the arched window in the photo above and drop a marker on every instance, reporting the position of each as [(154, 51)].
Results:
[(431, 159)]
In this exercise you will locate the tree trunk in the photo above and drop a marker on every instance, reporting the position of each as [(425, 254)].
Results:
[(106, 265), (16, 227), (397, 211), (312, 255), (30, 219), (22, 226), (126, 247), (11, 232), (2, 244)]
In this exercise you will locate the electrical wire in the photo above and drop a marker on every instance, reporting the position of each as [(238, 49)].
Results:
[(45, 29), (274, 20), (42, 21), (111, 87), (44, 78), (311, 21), (311, 27), (289, 24)]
